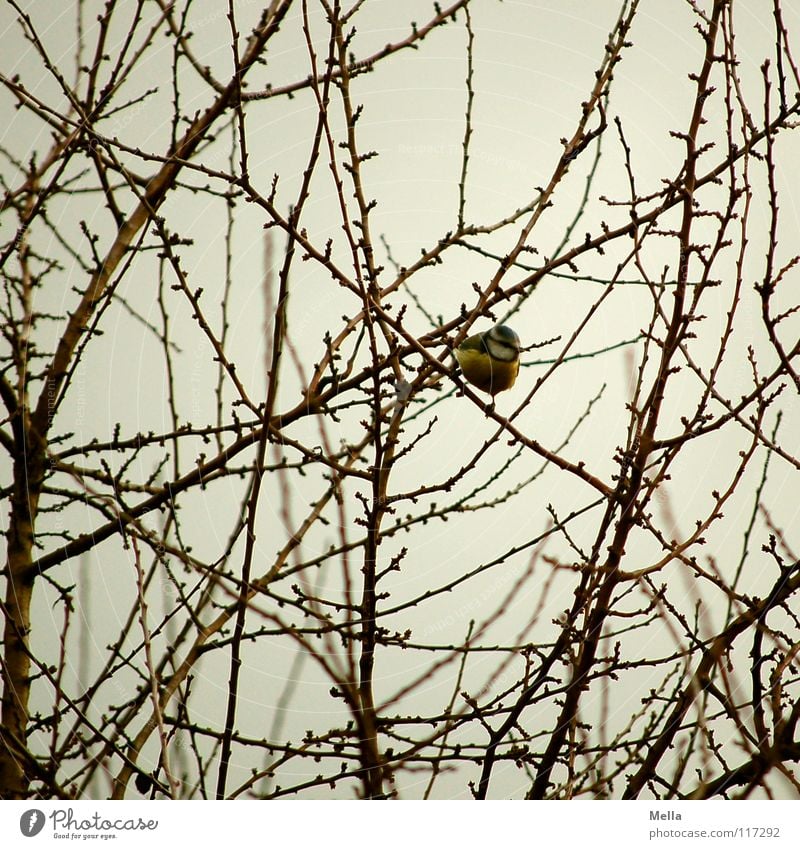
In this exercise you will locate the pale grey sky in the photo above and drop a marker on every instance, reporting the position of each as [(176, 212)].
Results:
[(534, 64)]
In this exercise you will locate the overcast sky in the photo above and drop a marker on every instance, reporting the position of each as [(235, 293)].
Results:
[(534, 64)]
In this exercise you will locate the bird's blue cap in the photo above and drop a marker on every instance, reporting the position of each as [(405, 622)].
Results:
[(503, 333)]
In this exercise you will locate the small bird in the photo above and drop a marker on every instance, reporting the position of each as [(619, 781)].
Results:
[(490, 360)]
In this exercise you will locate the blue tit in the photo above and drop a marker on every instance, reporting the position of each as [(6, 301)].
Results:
[(490, 360)]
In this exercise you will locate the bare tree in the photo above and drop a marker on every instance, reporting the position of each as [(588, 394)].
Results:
[(263, 539)]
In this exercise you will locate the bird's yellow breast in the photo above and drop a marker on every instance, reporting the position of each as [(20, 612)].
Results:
[(487, 374)]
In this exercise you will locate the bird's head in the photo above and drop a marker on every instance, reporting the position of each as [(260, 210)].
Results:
[(502, 343)]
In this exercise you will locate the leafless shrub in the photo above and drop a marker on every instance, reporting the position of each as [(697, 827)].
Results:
[(263, 540)]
